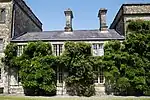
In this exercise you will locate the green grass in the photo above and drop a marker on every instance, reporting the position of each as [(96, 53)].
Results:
[(72, 98)]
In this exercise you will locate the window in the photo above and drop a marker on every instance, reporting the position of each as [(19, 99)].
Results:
[(57, 49), (100, 77), (1, 45), (20, 50), (98, 49), (2, 15), (0, 73), (18, 78), (60, 75)]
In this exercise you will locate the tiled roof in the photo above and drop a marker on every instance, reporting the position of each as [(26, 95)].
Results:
[(76, 35)]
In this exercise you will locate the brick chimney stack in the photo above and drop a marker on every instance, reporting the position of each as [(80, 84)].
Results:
[(102, 17), (69, 17)]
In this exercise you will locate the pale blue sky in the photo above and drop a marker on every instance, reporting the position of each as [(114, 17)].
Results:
[(51, 12)]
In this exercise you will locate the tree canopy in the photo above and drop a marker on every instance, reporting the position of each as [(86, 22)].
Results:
[(79, 65), (127, 64)]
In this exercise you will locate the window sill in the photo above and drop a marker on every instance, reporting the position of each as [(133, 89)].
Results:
[(99, 84)]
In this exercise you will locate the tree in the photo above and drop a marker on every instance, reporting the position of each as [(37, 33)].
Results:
[(10, 55), (77, 61), (37, 69), (127, 64)]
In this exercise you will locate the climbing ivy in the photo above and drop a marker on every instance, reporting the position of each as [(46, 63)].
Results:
[(37, 71), (77, 61), (10, 59), (127, 64)]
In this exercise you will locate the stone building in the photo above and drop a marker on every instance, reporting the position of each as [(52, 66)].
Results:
[(129, 12), (96, 37), (19, 25), (16, 18)]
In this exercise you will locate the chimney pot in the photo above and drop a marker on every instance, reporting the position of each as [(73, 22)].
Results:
[(69, 17), (102, 17)]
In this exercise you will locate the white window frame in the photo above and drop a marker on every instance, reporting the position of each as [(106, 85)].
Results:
[(57, 49), (100, 77), (1, 45), (20, 49), (98, 48)]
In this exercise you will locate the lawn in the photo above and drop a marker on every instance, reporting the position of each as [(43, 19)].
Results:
[(73, 98)]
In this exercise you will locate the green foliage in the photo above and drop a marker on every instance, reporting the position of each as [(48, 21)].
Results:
[(39, 49), (10, 55), (37, 69), (127, 64), (78, 62), (39, 75)]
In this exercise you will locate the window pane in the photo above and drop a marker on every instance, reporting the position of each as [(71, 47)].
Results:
[(60, 49), (101, 75), (95, 46), (20, 50), (60, 73), (96, 78), (0, 73), (18, 78), (100, 46), (2, 15), (1, 45), (55, 49), (101, 78)]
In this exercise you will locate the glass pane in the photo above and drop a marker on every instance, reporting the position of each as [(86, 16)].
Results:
[(94, 46), (55, 49), (2, 16), (101, 76), (60, 49), (1, 45), (100, 46), (60, 75), (0, 73)]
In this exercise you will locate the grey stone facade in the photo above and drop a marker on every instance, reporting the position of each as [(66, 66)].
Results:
[(5, 30), (18, 19), (130, 12)]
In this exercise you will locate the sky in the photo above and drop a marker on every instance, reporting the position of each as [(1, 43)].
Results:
[(51, 12)]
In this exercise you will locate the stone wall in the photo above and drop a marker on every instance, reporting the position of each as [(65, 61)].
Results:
[(127, 18), (130, 12), (5, 33), (19, 19), (24, 19)]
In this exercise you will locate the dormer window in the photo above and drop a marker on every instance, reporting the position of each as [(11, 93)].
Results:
[(2, 15)]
